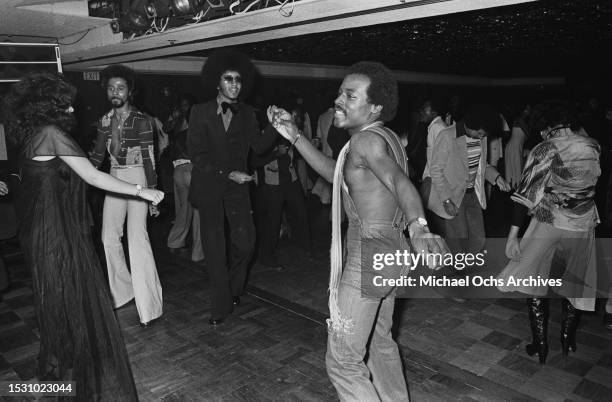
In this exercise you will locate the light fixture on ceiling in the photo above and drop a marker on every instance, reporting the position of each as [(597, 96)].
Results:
[(186, 7), (137, 17), (158, 8)]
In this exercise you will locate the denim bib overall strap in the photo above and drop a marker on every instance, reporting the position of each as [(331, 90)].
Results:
[(336, 321)]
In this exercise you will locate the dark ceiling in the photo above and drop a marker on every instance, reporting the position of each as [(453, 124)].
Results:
[(549, 37)]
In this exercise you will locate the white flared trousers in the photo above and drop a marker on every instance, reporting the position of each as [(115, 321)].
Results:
[(142, 283)]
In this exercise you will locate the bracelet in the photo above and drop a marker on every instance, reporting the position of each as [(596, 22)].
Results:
[(296, 140), (138, 190)]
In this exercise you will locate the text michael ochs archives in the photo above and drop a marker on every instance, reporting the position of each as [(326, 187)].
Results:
[(458, 261)]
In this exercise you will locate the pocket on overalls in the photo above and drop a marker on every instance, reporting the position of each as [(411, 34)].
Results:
[(383, 257)]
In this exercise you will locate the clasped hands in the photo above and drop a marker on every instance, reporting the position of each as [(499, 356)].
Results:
[(240, 177), (155, 197)]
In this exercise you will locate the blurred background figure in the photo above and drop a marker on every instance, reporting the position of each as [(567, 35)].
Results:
[(514, 158), (186, 218), (302, 120)]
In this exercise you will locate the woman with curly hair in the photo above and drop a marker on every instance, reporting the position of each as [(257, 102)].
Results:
[(80, 339)]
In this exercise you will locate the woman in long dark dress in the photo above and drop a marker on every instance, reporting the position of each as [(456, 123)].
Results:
[(80, 339)]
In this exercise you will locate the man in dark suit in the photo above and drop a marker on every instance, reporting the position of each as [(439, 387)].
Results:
[(221, 132)]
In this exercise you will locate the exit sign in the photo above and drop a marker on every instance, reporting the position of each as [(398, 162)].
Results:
[(91, 75)]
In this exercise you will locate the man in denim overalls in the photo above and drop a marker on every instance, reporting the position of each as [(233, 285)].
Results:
[(380, 201)]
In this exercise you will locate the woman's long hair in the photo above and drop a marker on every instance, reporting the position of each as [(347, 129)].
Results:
[(37, 100)]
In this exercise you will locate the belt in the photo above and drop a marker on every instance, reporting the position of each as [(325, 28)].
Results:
[(126, 166), (179, 162)]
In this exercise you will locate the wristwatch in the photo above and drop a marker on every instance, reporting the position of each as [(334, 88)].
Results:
[(138, 190)]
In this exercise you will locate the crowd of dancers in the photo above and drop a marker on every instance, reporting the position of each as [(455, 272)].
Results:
[(423, 190)]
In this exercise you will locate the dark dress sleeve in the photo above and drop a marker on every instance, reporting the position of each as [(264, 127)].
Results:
[(51, 141)]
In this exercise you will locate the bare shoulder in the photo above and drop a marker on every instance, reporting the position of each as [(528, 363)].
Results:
[(368, 143)]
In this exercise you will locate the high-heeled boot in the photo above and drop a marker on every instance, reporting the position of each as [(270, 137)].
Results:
[(570, 316), (538, 320)]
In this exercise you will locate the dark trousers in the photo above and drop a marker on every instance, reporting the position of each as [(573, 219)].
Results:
[(4, 282), (227, 278), (465, 232), (274, 198)]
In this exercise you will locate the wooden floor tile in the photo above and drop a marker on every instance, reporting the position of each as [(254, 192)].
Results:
[(593, 391), (272, 348)]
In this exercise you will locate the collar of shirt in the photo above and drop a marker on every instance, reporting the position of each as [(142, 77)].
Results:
[(436, 120), (220, 109), (121, 118)]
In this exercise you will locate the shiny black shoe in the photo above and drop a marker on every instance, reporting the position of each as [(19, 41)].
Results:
[(538, 320), (540, 348), (216, 321), (570, 316), (236, 300)]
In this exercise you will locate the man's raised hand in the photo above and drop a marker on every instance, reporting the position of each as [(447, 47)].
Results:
[(283, 122)]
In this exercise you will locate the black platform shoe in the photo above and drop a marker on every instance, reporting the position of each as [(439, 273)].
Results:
[(570, 316), (538, 320), (216, 321)]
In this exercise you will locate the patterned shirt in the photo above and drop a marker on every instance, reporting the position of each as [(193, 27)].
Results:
[(558, 181), (135, 135), (473, 155)]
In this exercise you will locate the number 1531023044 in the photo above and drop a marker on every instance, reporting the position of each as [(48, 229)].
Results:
[(38, 388)]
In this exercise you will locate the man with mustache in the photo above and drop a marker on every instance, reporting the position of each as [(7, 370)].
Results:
[(221, 133), (127, 135), (380, 201)]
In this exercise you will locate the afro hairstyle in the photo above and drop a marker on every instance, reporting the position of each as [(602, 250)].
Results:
[(118, 71), (382, 89), (223, 60)]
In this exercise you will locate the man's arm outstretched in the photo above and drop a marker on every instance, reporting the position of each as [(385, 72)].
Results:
[(283, 123)]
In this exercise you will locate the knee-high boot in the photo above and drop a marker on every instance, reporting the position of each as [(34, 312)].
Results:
[(570, 316), (538, 320)]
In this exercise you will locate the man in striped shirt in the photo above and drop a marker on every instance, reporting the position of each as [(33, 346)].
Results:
[(458, 168)]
